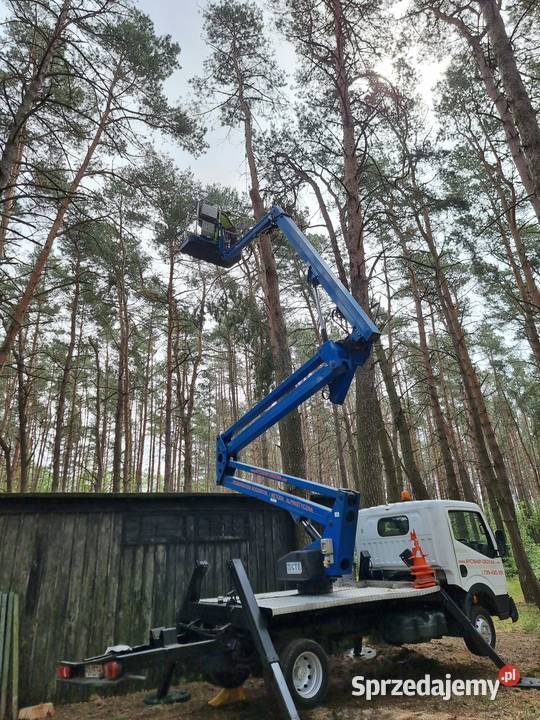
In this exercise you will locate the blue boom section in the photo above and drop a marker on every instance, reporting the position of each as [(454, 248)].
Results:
[(333, 366), (363, 329)]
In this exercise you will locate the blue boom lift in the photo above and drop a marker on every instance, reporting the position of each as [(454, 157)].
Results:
[(226, 639), (329, 555)]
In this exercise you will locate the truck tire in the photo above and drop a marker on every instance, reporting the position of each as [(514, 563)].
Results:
[(305, 667), (481, 619)]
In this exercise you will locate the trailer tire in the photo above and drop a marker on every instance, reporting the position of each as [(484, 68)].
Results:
[(481, 619), (305, 667)]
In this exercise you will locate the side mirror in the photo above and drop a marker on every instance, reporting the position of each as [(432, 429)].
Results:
[(500, 539), (364, 570), (406, 556)]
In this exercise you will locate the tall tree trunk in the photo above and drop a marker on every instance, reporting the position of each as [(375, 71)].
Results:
[(126, 410), (326, 217), (353, 453), (42, 444), (6, 449), (71, 440), (478, 408), (494, 505), (98, 449), (64, 382), (519, 101), (501, 102), (466, 484), (293, 455), (22, 395), (144, 414), (342, 465), (151, 459), (10, 393), (190, 400), (441, 425), (118, 428), (8, 200), (497, 176), (512, 418), (371, 484), (402, 426), (21, 308), (169, 372), (105, 437), (527, 307), (30, 98), (520, 265), (392, 486), (233, 379)]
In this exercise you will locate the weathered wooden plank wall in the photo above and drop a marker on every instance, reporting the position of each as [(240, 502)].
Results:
[(95, 570)]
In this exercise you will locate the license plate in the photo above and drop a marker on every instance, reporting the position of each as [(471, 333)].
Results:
[(93, 671), (294, 568)]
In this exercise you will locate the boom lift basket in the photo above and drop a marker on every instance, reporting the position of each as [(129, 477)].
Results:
[(217, 236)]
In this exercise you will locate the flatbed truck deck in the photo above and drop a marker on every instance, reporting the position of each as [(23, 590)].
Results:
[(290, 602), (283, 636)]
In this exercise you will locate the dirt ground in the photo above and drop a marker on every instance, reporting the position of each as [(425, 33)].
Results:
[(438, 658)]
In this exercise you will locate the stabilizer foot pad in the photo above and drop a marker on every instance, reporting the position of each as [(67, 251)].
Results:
[(228, 696), (529, 682), (173, 697)]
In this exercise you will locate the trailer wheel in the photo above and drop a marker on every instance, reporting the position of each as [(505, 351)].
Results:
[(305, 667), (481, 619)]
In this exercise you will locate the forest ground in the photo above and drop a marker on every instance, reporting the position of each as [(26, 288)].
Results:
[(519, 644)]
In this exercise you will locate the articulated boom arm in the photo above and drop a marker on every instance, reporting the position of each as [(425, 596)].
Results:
[(334, 365), (363, 329)]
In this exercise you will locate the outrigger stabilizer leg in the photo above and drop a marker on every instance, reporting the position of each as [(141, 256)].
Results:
[(464, 622), (164, 696), (262, 640)]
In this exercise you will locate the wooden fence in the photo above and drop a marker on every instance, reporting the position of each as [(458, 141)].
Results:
[(96, 570), (9, 656)]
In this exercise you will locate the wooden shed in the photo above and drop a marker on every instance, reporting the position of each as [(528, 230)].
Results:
[(95, 570)]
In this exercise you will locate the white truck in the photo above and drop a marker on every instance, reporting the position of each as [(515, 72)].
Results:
[(458, 542)]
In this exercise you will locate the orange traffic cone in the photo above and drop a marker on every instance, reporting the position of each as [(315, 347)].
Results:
[(424, 573)]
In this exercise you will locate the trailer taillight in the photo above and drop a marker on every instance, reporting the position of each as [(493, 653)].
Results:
[(64, 672), (112, 670)]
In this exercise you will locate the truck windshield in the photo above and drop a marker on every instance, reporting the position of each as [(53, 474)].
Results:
[(469, 528)]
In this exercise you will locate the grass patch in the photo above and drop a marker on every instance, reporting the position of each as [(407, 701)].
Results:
[(529, 615), (514, 590)]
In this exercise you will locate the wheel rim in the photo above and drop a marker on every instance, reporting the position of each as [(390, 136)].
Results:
[(307, 674), (483, 627)]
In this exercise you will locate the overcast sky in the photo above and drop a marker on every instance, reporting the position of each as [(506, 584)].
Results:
[(224, 161)]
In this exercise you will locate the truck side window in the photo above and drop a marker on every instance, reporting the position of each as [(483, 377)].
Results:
[(469, 528), (390, 526)]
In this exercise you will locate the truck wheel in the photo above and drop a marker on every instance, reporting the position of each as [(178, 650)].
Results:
[(305, 667), (481, 619)]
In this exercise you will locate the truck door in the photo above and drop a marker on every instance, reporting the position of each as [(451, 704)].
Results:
[(476, 553)]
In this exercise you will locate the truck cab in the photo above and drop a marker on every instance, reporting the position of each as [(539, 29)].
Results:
[(458, 542)]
